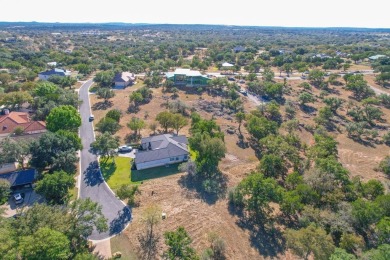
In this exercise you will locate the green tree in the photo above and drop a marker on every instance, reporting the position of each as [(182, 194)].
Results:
[(341, 254), (305, 98), (272, 166), (71, 137), (114, 114), (240, 117), (351, 243), (63, 117), (324, 116), (105, 93), (15, 99), (14, 151), (45, 244), (165, 119), (260, 127), (178, 122), (383, 230), (136, 124), (55, 187), (136, 98), (179, 245), (316, 77), (310, 240), (384, 165), (334, 103), (365, 213), (54, 151), (359, 87), (372, 189), (107, 125), (380, 253), (268, 74), (105, 145), (5, 190), (104, 78), (256, 193), (211, 151)]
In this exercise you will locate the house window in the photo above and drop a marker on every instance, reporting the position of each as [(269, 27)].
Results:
[(185, 157), (172, 159), (177, 158)]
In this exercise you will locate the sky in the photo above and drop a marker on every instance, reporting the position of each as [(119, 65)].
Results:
[(289, 13)]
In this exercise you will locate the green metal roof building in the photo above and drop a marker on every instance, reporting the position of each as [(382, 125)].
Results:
[(188, 78)]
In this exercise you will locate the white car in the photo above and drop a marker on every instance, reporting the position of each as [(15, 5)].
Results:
[(91, 118), (18, 198), (125, 149)]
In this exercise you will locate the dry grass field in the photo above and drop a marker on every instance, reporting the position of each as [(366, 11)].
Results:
[(198, 215)]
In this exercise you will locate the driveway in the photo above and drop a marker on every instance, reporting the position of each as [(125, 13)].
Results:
[(29, 199), (92, 184)]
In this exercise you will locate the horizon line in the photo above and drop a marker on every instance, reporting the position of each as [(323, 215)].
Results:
[(227, 25)]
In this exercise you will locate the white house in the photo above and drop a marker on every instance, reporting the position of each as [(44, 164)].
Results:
[(45, 75), (161, 150), (124, 79)]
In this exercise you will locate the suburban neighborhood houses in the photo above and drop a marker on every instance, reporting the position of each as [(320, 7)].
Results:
[(45, 75), (124, 79), (19, 123), (212, 142)]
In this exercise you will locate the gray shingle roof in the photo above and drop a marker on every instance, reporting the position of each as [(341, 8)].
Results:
[(161, 147)]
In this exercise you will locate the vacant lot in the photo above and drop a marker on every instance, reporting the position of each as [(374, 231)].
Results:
[(200, 216)]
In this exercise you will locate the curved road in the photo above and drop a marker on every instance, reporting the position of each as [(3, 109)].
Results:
[(91, 182)]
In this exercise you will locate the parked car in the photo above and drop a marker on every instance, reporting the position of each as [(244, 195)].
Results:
[(91, 118), (244, 92), (231, 79), (18, 198), (242, 81), (125, 149)]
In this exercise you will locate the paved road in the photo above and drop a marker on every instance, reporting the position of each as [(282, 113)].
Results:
[(91, 183)]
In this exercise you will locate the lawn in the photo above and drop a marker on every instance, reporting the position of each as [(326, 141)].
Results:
[(120, 173), (116, 174), (153, 173)]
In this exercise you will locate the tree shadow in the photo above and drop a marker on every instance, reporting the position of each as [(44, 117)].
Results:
[(266, 238), (119, 223), (362, 142), (102, 105), (219, 186), (107, 169), (133, 109), (308, 109), (92, 175)]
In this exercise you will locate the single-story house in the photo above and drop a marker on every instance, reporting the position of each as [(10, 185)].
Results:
[(161, 150), (187, 77), (227, 65), (124, 79), (45, 75), (239, 49), (13, 120), (20, 179)]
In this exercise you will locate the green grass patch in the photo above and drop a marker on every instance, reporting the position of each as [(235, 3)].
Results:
[(153, 173), (117, 174), (73, 193)]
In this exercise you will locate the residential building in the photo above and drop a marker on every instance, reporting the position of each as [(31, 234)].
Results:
[(187, 77), (239, 49), (161, 150), (20, 179), (124, 79), (376, 57), (45, 75), (11, 121)]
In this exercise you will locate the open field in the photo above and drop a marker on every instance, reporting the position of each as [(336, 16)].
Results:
[(199, 216)]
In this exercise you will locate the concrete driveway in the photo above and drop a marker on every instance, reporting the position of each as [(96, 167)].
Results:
[(129, 154), (30, 198)]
